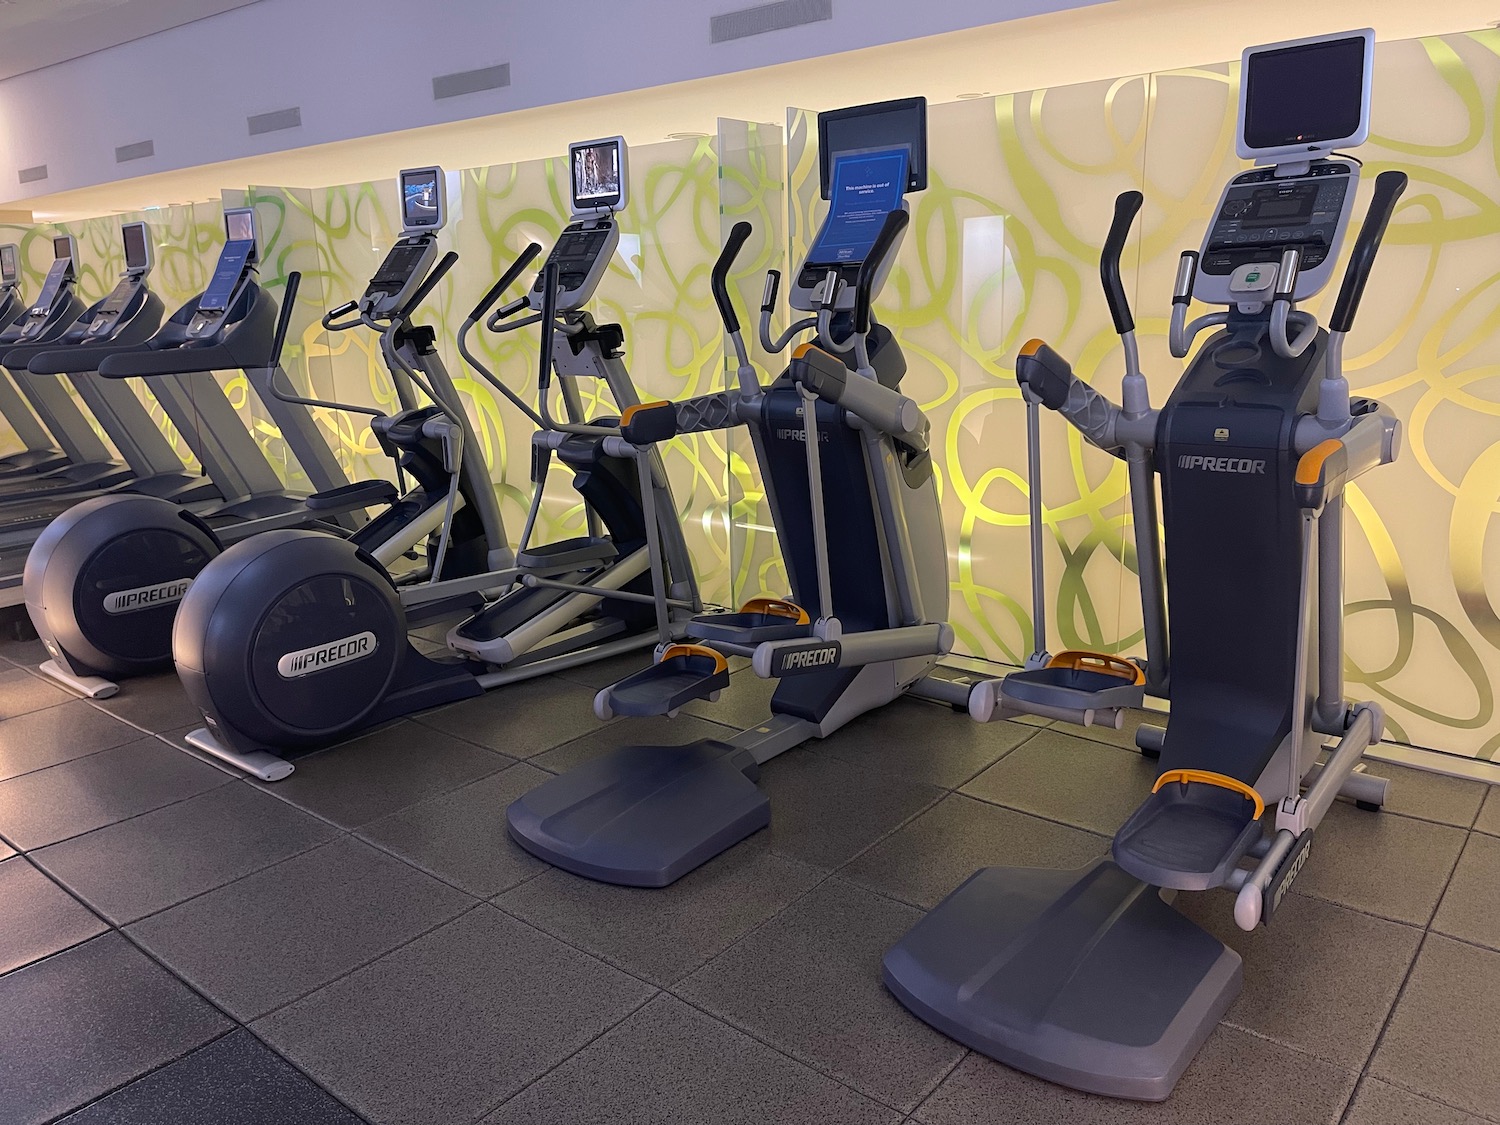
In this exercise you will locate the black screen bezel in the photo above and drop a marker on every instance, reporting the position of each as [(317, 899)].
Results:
[(915, 141)]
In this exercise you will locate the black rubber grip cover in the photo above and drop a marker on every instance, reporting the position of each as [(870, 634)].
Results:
[(1388, 188), (894, 224), (720, 276), (1045, 373), (506, 280), (548, 313), (652, 422), (1127, 206), (284, 321)]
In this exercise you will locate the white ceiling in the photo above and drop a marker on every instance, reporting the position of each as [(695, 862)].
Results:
[(38, 33)]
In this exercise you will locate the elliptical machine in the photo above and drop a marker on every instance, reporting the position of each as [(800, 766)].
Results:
[(845, 460), (294, 640), (1091, 978)]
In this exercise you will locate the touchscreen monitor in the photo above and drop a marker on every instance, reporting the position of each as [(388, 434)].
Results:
[(239, 224), (10, 264), (233, 261), (875, 128), (422, 199), (1307, 96), (137, 246), (598, 172)]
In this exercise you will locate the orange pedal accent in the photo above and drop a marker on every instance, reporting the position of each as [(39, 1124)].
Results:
[(1099, 662), (1310, 467), (1206, 777), (1031, 347), (720, 663), (776, 607)]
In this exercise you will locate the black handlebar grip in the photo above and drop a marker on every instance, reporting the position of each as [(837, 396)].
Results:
[(507, 279), (445, 263), (1127, 206), (890, 230), (1388, 188), (1045, 373), (549, 326), (720, 277), (284, 321)]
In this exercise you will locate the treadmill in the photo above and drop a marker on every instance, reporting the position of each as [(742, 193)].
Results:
[(130, 314), (232, 325)]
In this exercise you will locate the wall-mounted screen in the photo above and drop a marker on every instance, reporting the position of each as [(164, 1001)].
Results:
[(599, 172), (1306, 96)]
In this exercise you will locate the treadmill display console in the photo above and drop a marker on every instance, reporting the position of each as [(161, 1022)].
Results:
[(404, 265), (10, 264), (582, 254), (51, 286), (137, 249), (1261, 216)]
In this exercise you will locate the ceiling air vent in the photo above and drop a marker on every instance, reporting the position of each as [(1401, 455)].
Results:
[(32, 175), (767, 17), (138, 151), (470, 81), (276, 120)]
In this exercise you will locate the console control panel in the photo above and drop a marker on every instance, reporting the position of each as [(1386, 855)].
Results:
[(1260, 216), (582, 253), (404, 268)]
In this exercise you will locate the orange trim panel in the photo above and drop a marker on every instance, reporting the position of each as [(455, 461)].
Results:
[(635, 408), (720, 663), (1206, 777), (1310, 468), (1031, 347)]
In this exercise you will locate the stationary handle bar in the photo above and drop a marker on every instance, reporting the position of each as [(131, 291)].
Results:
[(331, 318), (1127, 206), (890, 230), (1388, 188), (284, 320), (720, 277), (507, 279)]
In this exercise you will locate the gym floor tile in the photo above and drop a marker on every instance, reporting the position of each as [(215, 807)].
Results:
[(74, 797), (448, 1026), (235, 1080), (1471, 905), (87, 1020), (937, 851), (670, 1065), (602, 673), (24, 654), (1069, 779), (58, 734), (1236, 1078), (148, 863), (924, 741), (286, 930), (1393, 866), (1443, 1038), (824, 1003), (663, 934), (745, 703), (519, 720), (1430, 796), (1319, 978), (379, 773), (156, 702), (22, 692), (460, 836), (6, 851), (825, 811), (1489, 816), (39, 917), (1380, 1103), (654, 730)]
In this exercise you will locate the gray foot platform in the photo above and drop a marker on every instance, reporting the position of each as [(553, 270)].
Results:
[(642, 816), (1085, 978)]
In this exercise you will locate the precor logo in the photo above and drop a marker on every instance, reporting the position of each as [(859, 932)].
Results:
[(806, 658), (319, 658), (1221, 464), (145, 597)]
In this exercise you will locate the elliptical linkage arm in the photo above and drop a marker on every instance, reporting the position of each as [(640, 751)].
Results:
[(719, 281), (283, 324), (880, 250), (507, 279), (1389, 186), (284, 319), (445, 263), (495, 291)]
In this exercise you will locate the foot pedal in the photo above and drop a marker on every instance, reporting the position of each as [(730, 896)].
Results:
[(759, 620), (1192, 831), (1086, 688), (684, 673), (642, 816)]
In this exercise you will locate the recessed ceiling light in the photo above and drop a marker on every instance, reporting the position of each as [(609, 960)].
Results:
[(686, 136), (971, 97)]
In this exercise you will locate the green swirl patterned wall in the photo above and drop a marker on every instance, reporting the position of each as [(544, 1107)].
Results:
[(1004, 246)]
